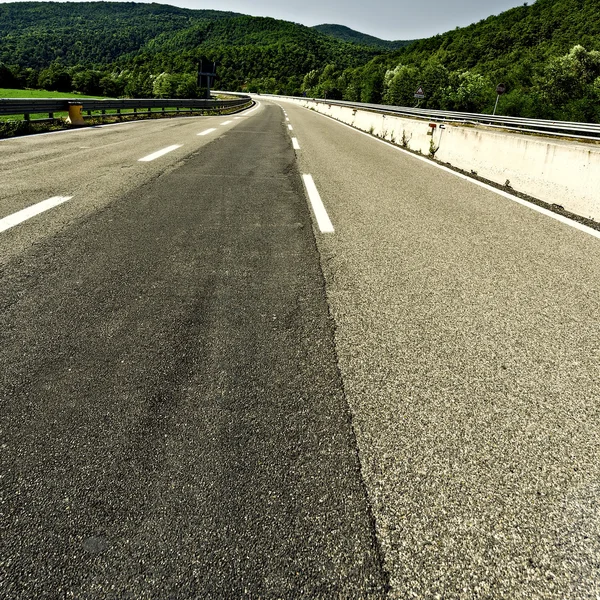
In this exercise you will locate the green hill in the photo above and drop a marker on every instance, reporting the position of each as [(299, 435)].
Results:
[(547, 54), (346, 34), (116, 48), (34, 34)]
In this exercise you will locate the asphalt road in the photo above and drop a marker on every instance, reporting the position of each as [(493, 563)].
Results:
[(173, 421), (468, 338), (205, 396)]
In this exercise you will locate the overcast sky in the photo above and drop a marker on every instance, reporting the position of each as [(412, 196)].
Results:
[(386, 19)]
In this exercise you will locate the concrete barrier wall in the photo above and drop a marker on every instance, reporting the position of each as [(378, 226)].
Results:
[(555, 171)]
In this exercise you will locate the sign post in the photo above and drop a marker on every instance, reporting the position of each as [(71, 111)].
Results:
[(419, 94), (207, 72), (500, 89)]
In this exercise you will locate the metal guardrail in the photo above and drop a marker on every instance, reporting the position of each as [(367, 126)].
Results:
[(50, 106), (567, 129)]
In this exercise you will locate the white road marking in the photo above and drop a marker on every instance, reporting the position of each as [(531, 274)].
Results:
[(290, 128), (287, 118), (159, 153), (207, 131), (319, 211), (258, 105), (565, 220), (295, 144), (226, 122), (31, 211)]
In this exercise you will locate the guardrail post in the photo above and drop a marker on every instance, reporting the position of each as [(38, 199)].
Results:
[(75, 114)]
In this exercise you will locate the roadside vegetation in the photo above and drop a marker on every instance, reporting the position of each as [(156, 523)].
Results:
[(15, 125), (546, 54)]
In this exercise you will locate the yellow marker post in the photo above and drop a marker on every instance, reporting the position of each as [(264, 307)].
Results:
[(75, 114)]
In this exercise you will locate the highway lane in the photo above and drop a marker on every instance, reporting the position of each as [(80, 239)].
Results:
[(467, 334), (93, 165), (172, 421)]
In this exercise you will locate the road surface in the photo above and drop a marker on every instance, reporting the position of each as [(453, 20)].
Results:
[(205, 393)]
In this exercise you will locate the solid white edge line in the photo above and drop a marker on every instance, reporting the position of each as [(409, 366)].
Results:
[(31, 211), (544, 211), (159, 153), (207, 131), (258, 105), (323, 221), (295, 144)]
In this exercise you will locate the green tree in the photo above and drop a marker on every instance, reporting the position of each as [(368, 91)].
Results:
[(55, 78), (400, 85), (469, 92)]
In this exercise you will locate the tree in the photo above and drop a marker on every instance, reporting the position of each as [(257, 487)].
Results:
[(469, 92), (400, 85), (87, 82), (7, 78), (55, 78)]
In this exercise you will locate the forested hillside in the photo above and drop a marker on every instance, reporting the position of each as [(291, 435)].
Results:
[(346, 34), (115, 48), (34, 34), (547, 55)]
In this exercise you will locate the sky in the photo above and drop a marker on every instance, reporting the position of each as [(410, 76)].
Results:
[(386, 19)]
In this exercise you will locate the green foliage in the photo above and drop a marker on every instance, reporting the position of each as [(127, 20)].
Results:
[(34, 34), (547, 54), (346, 34)]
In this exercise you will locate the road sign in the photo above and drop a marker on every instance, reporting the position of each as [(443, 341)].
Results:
[(420, 93), (500, 89)]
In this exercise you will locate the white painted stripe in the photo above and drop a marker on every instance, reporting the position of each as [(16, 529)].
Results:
[(258, 105), (544, 211), (31, 211), (159, 153), (290, 128), (295, 144), (319, 211), (226, 123), (207, 131), (287, 118)]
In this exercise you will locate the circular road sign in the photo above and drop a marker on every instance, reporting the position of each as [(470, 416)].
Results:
[(501, 88)]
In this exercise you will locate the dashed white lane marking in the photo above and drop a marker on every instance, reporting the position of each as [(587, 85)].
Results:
[(31, 211), (207, 131), (226, 123), (319, 211), (593, 232), (290, 128), (295, 144), (159, 153), (287, 118)]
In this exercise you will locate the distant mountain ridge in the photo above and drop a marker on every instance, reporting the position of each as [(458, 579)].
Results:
[(341, 32)]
